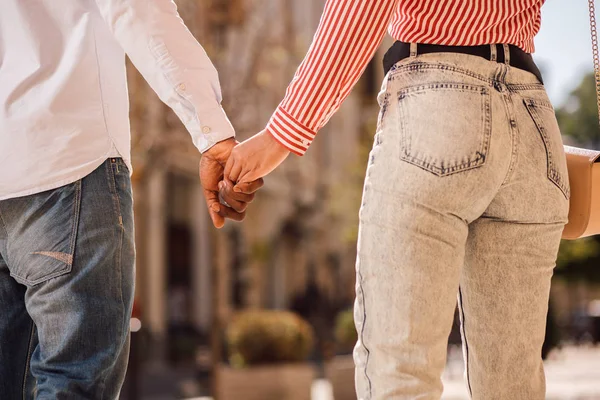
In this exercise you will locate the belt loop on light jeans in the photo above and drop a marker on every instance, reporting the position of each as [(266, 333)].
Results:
[(506, 54), (493, 53), (413, 49)]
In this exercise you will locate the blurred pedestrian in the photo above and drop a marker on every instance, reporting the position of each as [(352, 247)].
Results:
[(466, 190)]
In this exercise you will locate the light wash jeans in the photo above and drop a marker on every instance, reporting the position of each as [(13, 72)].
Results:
[(66, 289), (466, 193)]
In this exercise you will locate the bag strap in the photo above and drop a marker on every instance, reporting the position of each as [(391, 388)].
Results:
[(594, 33)]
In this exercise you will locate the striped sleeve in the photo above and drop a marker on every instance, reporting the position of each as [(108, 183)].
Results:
[(347, 37)]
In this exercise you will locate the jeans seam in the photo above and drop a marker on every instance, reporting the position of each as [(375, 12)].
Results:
[(552, 173), (518, 87), (120, 275), (116, 204), (112, 183), (464, 335), (76, 211), (3, 223), (5, 229), (514, 135), (29, 353), (362, 331)]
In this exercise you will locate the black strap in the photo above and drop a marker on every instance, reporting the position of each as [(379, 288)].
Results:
[(518, 58)]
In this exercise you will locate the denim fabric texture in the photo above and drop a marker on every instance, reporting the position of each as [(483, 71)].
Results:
[(66, 288), (466, 196)]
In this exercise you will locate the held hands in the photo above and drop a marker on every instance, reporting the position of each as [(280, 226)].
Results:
[(254, 159), (230, 174), (212, 165)]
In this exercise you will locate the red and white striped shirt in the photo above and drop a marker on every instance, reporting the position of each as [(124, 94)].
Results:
[(350, 32)]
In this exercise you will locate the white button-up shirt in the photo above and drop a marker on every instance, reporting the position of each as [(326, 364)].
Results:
[(63, 91)]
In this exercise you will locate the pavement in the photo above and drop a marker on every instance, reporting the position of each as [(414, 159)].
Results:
[(572, 373)]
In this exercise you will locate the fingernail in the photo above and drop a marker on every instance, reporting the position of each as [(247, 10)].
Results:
[(237, 189), (221, 185), (215, 208)]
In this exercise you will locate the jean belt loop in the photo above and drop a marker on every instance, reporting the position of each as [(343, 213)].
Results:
[(506, 54), (413, 49), (493, 53)]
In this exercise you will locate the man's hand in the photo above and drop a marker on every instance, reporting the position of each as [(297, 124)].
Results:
[(211, 173), (254, 159)]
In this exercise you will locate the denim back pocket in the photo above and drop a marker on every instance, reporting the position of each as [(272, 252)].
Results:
[(544, 118), (43, 230), (445, 127)]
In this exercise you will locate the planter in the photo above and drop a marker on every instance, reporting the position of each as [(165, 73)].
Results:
[(340, 372), (269, 382)]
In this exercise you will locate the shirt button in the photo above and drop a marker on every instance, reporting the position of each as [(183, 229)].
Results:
[(182, 87), (206, 129)]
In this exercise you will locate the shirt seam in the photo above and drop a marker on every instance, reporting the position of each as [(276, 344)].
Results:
[(113, 143), (99, 75)]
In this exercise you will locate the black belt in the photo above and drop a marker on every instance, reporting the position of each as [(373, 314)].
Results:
[(518, 58)]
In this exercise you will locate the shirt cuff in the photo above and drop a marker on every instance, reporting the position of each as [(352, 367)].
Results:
[(210, 128), (290, 132)]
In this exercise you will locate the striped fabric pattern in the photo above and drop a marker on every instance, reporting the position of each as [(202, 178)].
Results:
[(350, 32)]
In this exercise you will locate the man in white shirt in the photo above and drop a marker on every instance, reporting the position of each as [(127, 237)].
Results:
[(66, 223)]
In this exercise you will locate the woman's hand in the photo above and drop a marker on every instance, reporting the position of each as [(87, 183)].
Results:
[(212, 166), (253, 159)]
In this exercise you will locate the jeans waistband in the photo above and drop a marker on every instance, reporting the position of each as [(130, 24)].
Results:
[(501, 53)]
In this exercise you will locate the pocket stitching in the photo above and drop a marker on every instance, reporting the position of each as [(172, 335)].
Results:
[(552, 172), (474, 162), (112, 183), (422, 65), (76, 211), (69, 267)]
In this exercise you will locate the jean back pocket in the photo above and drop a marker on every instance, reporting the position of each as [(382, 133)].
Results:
[(42, 235), (445, 127)]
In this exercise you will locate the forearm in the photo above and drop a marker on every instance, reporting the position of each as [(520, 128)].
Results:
[(174, 64), (348, 35)]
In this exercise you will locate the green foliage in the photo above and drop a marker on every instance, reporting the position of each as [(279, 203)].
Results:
[(578, 260), (578, 119), (346, 195), (260, 251), (345, 331), (267, 337), (574, 251)]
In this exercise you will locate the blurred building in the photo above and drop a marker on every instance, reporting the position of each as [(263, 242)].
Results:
[(300, 232)]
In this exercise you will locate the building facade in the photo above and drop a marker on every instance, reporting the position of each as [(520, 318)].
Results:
[(301, 230)]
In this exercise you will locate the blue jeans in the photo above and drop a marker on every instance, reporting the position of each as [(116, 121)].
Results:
[(466, 193), (66, 288)]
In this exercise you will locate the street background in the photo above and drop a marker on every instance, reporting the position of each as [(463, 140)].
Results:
[(260, 310)]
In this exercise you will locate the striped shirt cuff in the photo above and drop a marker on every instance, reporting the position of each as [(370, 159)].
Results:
[(290, 132)]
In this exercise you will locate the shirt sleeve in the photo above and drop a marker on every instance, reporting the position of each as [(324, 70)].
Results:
[(173, 63), (348, 35)]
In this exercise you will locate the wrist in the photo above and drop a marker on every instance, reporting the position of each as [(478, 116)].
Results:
[(221, 150), (276, 143)]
